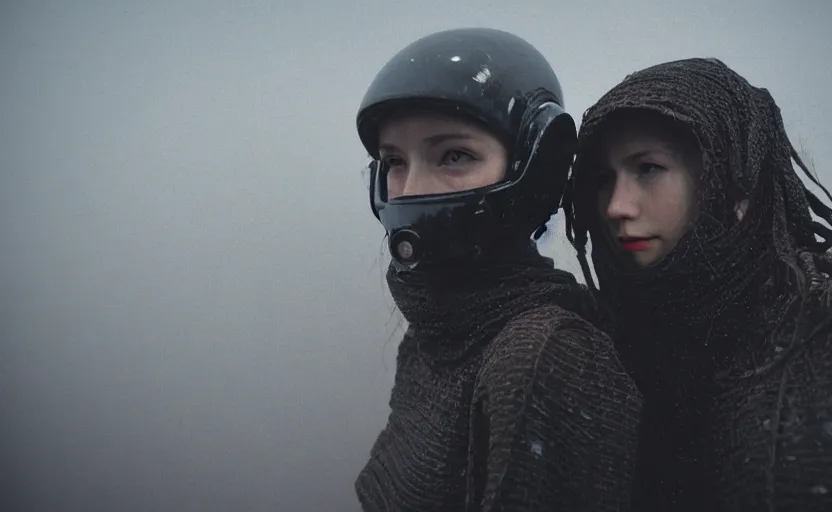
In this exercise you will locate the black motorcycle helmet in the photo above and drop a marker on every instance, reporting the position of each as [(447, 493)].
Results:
[(504, 84)]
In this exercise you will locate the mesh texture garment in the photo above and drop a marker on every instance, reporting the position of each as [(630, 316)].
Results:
[(729, 337), (505, 399)]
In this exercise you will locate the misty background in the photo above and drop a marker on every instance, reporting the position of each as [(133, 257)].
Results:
[(193, 315)]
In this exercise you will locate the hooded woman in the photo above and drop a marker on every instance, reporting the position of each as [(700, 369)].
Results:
[(505, 396), (713, 271)]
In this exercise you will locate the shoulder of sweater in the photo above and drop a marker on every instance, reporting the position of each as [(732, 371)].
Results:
[(551, 340), (815, 347), (550, 328), (811, 362), (804, 426)]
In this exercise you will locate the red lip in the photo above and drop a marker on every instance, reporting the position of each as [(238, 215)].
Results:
[(634, 244)]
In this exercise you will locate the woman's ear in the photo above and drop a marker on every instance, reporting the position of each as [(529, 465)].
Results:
[(741, 208)]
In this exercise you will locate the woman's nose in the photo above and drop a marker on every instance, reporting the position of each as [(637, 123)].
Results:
[(624, 202), (419, 180)]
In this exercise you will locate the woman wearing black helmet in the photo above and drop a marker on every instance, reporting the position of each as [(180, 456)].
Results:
[(505, 397), (708, 257)]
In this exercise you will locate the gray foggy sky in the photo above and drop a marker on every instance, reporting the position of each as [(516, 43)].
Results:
[(192, 309)]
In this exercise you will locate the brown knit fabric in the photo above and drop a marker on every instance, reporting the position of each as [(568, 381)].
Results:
[(504, 398), (729, 337)]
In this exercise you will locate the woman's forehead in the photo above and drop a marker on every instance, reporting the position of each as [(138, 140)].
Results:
[(624, 134), (429, 127)]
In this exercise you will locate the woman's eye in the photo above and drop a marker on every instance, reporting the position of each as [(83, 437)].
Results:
[(455, 157), (393, 161), (647, 168)]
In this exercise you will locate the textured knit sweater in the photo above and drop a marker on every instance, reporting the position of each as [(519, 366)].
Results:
[(505, 398)]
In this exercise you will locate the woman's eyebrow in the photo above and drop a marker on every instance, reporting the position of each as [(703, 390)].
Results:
[(674, 154), (390, 148), (434, 140), (638, 155)]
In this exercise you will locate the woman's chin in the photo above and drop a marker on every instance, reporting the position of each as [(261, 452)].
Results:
[(643, 259), (637, 260)]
